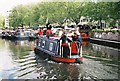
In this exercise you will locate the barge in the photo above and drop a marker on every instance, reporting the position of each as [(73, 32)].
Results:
[(52, 49)]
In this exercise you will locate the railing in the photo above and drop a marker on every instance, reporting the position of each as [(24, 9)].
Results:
[(60, 49)]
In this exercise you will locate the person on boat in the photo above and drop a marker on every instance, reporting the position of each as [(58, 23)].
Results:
[(61, 32), (76, 44), (44, 31), (65, 52), (40, 32), (77, 37), (49, 31)]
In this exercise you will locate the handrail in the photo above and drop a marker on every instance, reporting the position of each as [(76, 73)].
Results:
[(81, 51), (70, 50), (80, 48), (60, 49)]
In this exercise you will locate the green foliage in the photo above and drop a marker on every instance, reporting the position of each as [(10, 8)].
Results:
[(100, 31), (97, 30), (1, 21), (113, 31), (118, 31), (94, 30), (56, 12)]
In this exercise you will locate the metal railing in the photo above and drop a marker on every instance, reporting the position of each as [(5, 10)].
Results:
[(60, 49)]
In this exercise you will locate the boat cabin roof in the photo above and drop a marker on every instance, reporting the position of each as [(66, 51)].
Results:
[(48, 45)]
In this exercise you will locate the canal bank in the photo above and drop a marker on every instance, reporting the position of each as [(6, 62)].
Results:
[(107, 37), (111, 43)]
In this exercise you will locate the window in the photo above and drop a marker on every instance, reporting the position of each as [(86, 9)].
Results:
[(86, 20), (43, 44), (51, 46), (39, 42)]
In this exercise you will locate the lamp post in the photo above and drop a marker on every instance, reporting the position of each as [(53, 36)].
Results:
[(7, 19)]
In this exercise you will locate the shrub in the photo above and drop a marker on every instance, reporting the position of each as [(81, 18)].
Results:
[(113, 31), (118, 31), (97, 30)]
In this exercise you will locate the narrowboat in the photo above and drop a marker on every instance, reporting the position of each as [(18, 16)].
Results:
[(22, 35), (84, 31), (32, 36), (52, 49), (3, 35)]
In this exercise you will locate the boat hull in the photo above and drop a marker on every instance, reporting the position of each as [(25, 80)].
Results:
[(85, 38), (67, 60), (45, 55), (32, 37), (20, 38)]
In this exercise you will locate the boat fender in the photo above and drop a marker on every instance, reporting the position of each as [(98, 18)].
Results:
[(78, 61), (35, 50)]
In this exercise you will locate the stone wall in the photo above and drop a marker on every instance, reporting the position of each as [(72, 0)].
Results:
[(108, 36)]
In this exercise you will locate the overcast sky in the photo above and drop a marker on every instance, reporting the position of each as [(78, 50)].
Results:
[(6, 5)]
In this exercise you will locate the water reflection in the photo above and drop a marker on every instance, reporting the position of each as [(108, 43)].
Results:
[(7, 65), (101, 60), (106, 52), (21, 48), (103, 52), (19, 61), (52, 70)]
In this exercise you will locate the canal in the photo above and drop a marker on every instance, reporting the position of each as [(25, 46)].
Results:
[(18, 61)]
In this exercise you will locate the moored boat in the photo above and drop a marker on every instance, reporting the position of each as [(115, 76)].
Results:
[(52, 49), (21, 35), (32, 36), (84, 31)]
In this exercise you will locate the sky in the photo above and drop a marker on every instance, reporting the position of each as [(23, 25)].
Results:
[(6, 5)]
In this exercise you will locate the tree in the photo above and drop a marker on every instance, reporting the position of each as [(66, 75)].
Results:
[(2, 21), (56, 12)]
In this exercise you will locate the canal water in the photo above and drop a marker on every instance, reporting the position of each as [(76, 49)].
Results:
[(18, 61)]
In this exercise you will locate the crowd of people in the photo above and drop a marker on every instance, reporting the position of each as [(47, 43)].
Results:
[(62, 33), (72, 38)]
